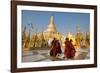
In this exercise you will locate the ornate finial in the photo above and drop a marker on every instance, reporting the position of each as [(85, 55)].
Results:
[(52, 20)]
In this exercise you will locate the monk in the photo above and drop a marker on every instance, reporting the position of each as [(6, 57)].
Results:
[(56, 49), (69, 49)]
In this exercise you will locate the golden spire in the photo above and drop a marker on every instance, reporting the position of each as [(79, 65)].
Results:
[(51, 25), (52, 20)]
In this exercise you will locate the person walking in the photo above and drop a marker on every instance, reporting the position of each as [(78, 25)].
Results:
[(55, 49), (69, 49)]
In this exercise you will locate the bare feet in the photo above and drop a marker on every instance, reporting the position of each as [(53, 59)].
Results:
[(53, 58)]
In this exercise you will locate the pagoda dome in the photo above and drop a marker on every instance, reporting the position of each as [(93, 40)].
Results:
[(51, 26)]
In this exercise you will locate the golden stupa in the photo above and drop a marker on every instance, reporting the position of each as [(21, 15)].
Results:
[(51, 31), (41, 39)]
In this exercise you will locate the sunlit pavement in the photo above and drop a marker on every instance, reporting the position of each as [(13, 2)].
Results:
[(43, 55)]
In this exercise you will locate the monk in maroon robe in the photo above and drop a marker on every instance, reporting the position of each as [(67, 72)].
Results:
[(56, 48), (59, 51), (69, 49)]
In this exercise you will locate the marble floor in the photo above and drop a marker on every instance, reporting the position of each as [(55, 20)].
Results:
[(43, 55)]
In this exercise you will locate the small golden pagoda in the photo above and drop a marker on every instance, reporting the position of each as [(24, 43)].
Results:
[(79, 38)]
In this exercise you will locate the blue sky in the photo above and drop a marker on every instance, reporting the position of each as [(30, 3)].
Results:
[(64, 21)]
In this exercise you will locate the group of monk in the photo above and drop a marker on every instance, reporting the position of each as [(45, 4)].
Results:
[(69, 50)]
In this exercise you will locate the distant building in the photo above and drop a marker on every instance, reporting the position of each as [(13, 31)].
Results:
[(79, 38), (87, 40)]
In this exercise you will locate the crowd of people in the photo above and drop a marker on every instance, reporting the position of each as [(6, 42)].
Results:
[(69, 50)]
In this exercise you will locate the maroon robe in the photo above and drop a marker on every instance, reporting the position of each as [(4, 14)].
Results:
[(56, 48), (69, 50)]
